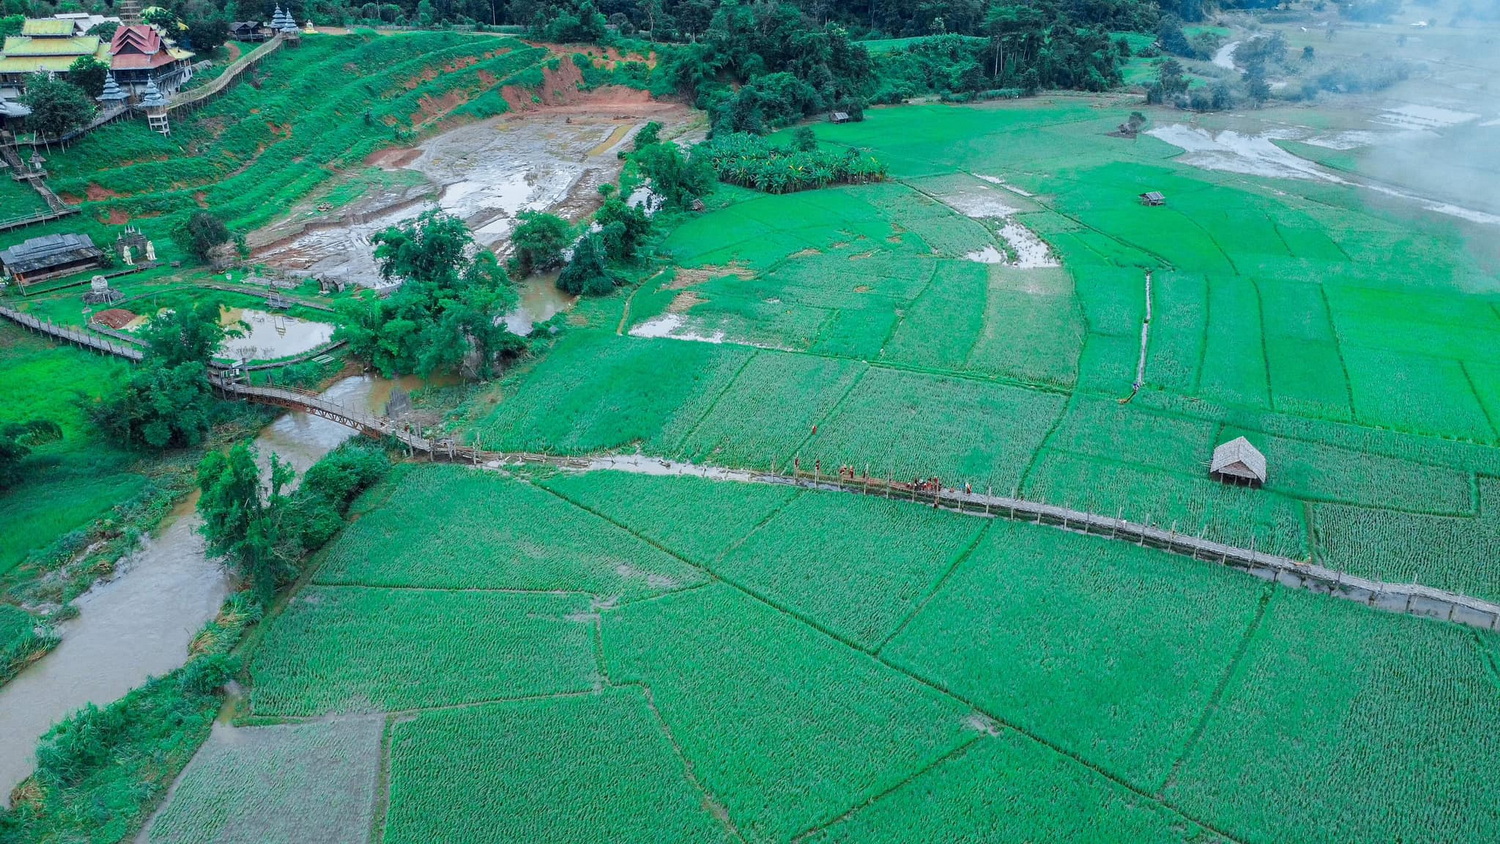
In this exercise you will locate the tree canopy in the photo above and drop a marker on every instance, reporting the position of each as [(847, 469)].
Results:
[(57, 107), (167, 401), (446, 314)]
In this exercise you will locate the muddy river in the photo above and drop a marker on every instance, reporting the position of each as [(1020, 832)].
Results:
[(540, 301), (139, 623)]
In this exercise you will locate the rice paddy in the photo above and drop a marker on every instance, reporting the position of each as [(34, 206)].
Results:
[(854, 669), (562, 656)]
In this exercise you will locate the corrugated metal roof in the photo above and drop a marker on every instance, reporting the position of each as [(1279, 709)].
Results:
[(1238, 453), (48, 251), (47, 27), (82, 45), (34, 64)]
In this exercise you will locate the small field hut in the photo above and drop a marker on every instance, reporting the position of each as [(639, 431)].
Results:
[(1153, 198), (1238, 462), (839, 117)]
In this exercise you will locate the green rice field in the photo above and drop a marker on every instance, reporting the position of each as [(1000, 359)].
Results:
[(554, 655), (1351, 341), (841, 668)]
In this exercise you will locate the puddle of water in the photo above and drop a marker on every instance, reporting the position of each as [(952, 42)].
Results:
[(1224, 56), (1031, 251), (1256, 155), (987, 255), (269, 336), (671, 325), (540, 301), (135, 626), (139, 624)]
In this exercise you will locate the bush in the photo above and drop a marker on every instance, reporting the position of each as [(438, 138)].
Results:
[(538, 242), (585, 275), (201, 234), (754, 162)]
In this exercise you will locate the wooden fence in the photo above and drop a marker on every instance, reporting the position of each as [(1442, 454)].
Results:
[(187, 99)]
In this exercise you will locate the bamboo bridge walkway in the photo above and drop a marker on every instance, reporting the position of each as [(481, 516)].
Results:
[(1410, 598), (195, 96)]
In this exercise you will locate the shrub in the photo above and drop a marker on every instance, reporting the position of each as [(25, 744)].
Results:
[(753, 162)]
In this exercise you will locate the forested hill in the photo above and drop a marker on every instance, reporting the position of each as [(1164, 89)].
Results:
[(761, 65), (802, 57)]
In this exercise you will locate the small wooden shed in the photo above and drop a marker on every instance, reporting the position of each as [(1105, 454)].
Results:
[(839, 117), (1153, 198), (1238, 462)]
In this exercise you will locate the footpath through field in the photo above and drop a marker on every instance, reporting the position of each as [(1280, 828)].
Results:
[(1410, 598)]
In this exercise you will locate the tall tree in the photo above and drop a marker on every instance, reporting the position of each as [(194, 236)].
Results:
[(242, 518), (57, 107), (88, 73), (446, 314), (167, 401)]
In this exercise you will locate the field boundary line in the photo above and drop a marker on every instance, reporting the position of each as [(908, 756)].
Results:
[(858, 379), (670, 593), (937, 584), (1268, 594), (504, 591), (1338, 347), (728, 385), (957, 752), (713, 804), (1489, 418), (381, 805), (1490, 660), (1045, 444), (445, 707), (1265, 350), (598, 638), (770, 517)]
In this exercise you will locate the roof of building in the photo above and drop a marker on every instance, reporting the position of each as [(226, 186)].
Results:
[(10, 108), (152, 95), (24, 45), (238, 26), (51, 250), (112, 93), (1154, 196), (1240, 459), (47, 28), (142, 48), (83, 21)]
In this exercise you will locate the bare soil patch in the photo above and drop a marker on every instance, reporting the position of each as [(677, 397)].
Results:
[(99, 193), (392, 159), (684, 301), (686, 278)]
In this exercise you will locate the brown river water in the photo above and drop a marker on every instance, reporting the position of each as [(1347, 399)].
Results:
[(139, 623)]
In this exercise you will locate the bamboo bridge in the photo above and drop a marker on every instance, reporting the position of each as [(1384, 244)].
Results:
[(1409, 598)]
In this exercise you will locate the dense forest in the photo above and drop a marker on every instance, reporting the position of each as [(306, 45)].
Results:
[(758, 66)]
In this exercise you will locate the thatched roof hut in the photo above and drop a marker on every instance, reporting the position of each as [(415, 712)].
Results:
[(1153, 198), (1238, 462)]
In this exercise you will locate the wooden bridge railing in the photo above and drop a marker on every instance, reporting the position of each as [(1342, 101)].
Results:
[(183, 99), (74, 336)]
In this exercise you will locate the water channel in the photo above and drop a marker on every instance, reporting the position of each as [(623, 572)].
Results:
[(139, 623)]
